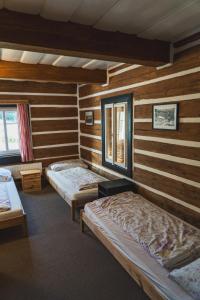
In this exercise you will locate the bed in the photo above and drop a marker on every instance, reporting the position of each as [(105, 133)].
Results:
[(15, 215), (142, 267), (75, 183)]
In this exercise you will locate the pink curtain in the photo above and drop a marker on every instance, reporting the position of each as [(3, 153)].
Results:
[(25, 133)]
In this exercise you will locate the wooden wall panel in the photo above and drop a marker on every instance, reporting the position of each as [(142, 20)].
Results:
[(36, 87), (169, 186), (187, 131), (56, 151), (54, 139), (52, 100), (178, 169), (54, 125), (169, 149), (41, 97), (180, 158), (91, 156), (95, 129), (186, 109), (53, 112), (91, 143)]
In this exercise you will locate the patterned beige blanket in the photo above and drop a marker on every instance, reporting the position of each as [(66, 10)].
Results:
[(166, 238), (82, 179)]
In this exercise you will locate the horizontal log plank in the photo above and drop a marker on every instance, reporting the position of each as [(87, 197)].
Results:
[(52, 100), (43, 73), (91, 156), (186, 131), (178, 169), (169, 149), (54, 125), (57, 151), (91, 143), (95, 129), (187, 109), (55, 139), (179, 190), (52, 112), (11, 86)]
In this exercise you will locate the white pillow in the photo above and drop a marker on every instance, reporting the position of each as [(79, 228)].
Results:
[(5, 175), (188, 277), (67, 164)]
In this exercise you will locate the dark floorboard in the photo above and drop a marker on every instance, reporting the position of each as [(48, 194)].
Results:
[(57, 261)]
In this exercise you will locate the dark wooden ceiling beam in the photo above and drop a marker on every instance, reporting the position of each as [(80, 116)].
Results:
[(46, 73), (34, 33)]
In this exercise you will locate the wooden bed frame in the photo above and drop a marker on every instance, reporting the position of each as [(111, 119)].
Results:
[(129, 266), (13, 222)]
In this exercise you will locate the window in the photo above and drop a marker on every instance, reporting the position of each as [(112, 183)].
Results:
[(117, 133), (9, 133)]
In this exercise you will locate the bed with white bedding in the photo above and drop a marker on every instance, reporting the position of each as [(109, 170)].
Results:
[(11, 211), (75, 183), (134, 237)]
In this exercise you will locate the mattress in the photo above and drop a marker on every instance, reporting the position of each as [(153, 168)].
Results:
[(67, 191), (133, 251), (16, 206)]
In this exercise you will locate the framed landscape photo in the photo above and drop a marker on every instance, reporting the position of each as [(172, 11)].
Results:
[(89, 118), (165, 116)]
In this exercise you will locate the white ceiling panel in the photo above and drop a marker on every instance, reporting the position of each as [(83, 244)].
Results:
[(26, 6), (80, 62), (31, 57), (90, 11), (136, 16), (48, 59), (171, 27), (98, 64), (60, 10), (11, 55), (65, 61)]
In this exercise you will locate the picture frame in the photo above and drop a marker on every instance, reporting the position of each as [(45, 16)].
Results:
[(89, 118), (165, 116)]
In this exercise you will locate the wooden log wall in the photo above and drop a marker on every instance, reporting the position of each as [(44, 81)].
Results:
[(53, 114), (166, 164)]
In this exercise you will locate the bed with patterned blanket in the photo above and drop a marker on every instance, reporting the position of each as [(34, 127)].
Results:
[(145, 239), (75, 183), (11, 211)]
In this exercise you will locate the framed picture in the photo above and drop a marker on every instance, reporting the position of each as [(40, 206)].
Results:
[(89, 118), (165, 116)]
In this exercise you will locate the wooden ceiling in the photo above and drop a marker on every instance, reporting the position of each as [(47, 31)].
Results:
[(46, 34)]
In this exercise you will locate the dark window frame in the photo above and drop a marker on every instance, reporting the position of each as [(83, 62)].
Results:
[(112, 100)]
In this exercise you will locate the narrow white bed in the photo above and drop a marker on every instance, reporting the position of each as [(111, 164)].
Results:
[(16, 208), (15, 215), (118, 241), (67, 183)]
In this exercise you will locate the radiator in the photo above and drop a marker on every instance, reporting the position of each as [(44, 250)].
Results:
[(15, 169)]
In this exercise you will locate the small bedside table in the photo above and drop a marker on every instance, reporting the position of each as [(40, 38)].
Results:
[(112, 187), (31, 180)]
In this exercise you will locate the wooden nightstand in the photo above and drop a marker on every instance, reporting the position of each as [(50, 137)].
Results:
[(112, 187), (31, 180)]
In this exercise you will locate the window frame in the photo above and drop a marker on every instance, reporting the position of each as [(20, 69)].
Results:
[(128, 98)]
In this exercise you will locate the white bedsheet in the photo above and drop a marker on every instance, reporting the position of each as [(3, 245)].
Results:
[(66, 190), (16, 206), (133, 251)]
